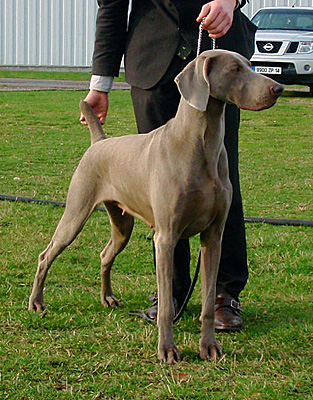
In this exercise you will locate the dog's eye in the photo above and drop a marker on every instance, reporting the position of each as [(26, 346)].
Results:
[(238, 68)]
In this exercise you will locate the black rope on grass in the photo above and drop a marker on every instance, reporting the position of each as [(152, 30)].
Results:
[(277, 221), (271, 221)]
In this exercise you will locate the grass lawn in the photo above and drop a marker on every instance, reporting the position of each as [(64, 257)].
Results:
[(81, 350)]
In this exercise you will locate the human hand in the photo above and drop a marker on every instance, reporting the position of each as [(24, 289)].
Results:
[(218, 17), (99, 102)]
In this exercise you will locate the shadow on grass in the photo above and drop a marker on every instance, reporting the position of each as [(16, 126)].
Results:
[(258, 320)]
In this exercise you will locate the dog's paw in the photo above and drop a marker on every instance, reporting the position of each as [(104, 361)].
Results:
[(211, 351), (36, 304), (171, 355), (110, 301)]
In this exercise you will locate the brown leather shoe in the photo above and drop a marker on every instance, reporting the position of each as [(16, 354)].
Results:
[(227, 314), (152, 311)]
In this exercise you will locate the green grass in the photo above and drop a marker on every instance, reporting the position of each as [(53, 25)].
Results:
[(81, 350)]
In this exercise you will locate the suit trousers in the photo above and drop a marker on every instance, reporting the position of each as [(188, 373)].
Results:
[(153, 108)]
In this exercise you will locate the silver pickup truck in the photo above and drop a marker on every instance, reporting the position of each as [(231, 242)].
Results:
[(284, 44)]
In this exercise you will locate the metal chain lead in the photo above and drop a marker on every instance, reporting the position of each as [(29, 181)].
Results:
[(213, 43), (200, 38)]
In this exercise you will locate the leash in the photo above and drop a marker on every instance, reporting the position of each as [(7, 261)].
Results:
[(200, 38), (145, 316), (141, 313), (190, 291)]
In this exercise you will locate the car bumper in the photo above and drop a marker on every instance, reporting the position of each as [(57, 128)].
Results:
[(293, 71)]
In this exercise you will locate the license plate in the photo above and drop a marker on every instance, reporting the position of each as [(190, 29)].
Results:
[(267, 70)]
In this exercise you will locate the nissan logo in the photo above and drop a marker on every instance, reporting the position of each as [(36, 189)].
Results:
[(268, 47)]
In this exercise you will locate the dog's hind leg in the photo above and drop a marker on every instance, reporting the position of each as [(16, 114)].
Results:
[(121, 229), (79, 206)]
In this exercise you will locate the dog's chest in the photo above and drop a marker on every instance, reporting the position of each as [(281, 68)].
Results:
[(202, 206)]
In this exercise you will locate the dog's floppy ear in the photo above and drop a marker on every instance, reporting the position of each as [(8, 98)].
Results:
[(193, 83)]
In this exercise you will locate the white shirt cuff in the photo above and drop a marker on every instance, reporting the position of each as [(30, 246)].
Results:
[(101, 83)]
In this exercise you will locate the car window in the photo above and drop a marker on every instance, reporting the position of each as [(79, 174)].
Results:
[(283, 19)]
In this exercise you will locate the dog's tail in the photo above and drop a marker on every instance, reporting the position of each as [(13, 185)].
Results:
[(96, 131)]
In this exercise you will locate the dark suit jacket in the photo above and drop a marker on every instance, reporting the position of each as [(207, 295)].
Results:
[(151, 39)]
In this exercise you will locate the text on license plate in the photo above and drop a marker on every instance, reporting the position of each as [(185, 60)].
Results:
[(267, 70)]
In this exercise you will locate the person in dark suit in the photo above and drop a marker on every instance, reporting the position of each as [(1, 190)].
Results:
[(158, 41)]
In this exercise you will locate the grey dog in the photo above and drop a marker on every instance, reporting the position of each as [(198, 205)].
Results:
[(174, 178)]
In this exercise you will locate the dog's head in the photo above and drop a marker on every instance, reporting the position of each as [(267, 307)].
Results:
[(228, 77)]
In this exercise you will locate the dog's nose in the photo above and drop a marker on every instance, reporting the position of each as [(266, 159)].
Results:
[(277, 89)]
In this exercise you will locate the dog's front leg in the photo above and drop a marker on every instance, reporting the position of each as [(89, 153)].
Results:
[(210, 258), (164, 248)]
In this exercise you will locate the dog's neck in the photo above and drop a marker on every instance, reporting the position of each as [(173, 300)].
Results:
[(201, 128)]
